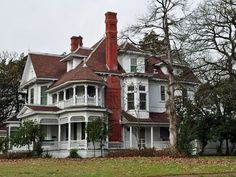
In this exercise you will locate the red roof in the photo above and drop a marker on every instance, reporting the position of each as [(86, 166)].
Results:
[(153, 118), (83, 51), (47, 66), (44, 108), (129, 47), (79, 73)]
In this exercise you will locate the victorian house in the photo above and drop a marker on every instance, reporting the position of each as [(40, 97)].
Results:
[(118, 83)]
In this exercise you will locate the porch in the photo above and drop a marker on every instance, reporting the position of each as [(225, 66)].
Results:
[(137, 136), (79, 95)]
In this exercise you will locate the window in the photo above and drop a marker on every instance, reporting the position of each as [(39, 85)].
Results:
[(80, 91), (133, 65), (130, 101), (91, 91), (43, 95), (142, 97), (69, 93), (54, 98), (184, 93), (163, 94), (164, 133), (61, 96), (130, 97), (32, 96)]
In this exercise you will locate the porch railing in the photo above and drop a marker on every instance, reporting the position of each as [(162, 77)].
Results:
[(92, 100), (50, 145), (161, 144), (78, 144)]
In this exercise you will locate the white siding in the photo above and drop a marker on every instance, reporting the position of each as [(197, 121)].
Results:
[(124, 61)]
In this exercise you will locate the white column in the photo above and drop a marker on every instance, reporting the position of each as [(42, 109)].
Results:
[(9, 134), (86, 94), (96, 95), (57, 97), (151, 137), (123, 136), (86, 136), (74, 90), (69, 134), (130, 137), (64, 94), (59, 135)]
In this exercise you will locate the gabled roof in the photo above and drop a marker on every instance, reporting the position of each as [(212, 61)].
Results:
[(97, 59), (83, 51), (158, 118), (81, 73), (47, 66)]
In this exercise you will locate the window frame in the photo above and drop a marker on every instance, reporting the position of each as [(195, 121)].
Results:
[(32, 96), (163, 92), (133, 65), (142, 90), (130, 103)]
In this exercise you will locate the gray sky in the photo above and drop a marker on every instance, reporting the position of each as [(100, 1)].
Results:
[(47, 25)]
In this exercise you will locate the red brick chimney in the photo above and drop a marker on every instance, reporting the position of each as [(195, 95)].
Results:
[(113, 93), (76, 41), (111, 41)]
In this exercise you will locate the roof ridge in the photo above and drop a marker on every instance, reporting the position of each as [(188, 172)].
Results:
[(46, 54)]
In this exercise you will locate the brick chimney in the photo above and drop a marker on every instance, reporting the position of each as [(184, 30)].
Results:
[(111, 41), (76, 41), (113, 93)]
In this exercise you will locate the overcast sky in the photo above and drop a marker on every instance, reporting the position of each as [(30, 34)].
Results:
[(47, 25)]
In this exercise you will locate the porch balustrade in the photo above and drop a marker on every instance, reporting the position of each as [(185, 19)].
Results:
[(78, 144), (50, 145)]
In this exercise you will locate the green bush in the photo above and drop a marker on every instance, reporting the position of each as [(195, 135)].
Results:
[(74, 153), (4, 145), (47, 155)]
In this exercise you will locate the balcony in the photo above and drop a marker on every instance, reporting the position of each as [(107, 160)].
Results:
[(80, 95)]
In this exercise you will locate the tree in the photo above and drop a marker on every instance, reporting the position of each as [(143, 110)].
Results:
[(210, 38), (11, 69), (161, 18), (28, 133), (97, 131)]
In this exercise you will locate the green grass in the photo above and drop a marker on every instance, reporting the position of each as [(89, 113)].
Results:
[(117, 167)]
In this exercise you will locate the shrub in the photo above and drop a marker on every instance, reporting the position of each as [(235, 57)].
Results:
[(16, 155), (74, 153), (47, 155), (4, 145), (37, 151)]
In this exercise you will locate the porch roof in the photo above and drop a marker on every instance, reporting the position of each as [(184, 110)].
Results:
[(44, 108), (154, 118)]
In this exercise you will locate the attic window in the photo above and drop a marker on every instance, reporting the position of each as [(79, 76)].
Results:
[(133, 65)]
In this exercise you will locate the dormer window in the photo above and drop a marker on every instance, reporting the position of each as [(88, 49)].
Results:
[(133, 65)]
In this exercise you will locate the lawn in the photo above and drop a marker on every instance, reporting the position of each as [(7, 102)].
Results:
[(118, 167)]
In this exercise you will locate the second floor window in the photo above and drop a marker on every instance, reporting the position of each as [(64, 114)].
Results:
[(69, 93), (130, 97), (163, 94), (43, 95), (142, 97), (133, 65), (54, 98), (61, 96), (32, 96)]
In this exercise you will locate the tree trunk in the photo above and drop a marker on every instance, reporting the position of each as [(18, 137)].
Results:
[(227, 146), (171, 101)]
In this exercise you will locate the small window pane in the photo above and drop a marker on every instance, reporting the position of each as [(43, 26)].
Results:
[(43, 95), (142, 88), (61, 96), (131, 88), (91, 91), (142, 98), (32, 96), (69, 93), (163, 95), (54, 98), (130, 101)]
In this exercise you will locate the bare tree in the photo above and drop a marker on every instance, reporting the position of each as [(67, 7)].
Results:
[(210, 35), (162, 19)]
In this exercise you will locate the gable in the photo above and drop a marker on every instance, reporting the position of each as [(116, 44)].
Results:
[(29, 72), (25, 111)]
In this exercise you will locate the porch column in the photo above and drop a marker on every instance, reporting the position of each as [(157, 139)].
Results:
[(123, 136), (69, 134), (59, 135), (151, 137), (64, 94), (130, 137), (85, 136), (9, 136), (74, 95), (85, 94), (96, 95), (57, 97)]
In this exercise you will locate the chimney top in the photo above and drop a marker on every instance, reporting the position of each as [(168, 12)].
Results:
[(76, 41)]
